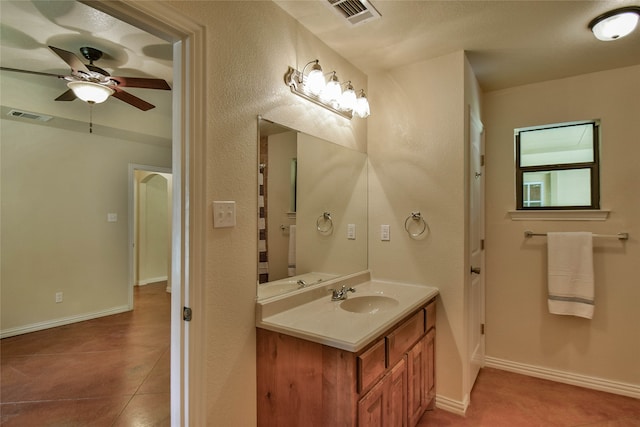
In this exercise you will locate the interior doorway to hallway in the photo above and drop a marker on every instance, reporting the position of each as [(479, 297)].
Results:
[(150, 216)]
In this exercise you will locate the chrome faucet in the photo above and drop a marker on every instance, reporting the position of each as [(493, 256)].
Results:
[(340, 294), (301, 283)]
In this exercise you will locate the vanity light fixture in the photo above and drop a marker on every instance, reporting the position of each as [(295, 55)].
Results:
[(332, 91), (314, 88), (361, 108), (616, 23), (348, 98)]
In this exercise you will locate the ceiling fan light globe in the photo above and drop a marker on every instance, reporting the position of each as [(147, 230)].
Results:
[(90, 92)]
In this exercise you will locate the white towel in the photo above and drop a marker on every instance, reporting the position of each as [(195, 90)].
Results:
[(292, 251), (570, 270)]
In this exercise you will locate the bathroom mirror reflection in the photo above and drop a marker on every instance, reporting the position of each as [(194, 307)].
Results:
[(312, 210)]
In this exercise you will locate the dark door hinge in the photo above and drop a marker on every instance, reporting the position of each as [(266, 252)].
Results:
[(482, 160), (186, 314), (482, 244), (482, 329)]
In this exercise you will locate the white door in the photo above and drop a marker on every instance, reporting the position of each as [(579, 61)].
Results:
[(476, 247)]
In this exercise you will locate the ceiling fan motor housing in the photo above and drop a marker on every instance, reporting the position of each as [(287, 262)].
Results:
[(90, 53)]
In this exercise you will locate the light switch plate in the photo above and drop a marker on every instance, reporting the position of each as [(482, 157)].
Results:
[(224, 214), (351, 231), (112, 217), (385, 234)]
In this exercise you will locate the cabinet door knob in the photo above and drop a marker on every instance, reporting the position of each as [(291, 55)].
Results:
[(475, 270)]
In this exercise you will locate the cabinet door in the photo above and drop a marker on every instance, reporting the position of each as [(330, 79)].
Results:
[(385, 405), (372, 407), (430, 383), (417, 366), (397, 395)]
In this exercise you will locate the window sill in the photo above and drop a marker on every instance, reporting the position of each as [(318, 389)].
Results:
[(564, 215)]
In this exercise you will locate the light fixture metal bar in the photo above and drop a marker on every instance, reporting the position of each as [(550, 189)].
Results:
[(294, 78)]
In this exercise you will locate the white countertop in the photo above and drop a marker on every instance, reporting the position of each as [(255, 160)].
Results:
[(323, 321)]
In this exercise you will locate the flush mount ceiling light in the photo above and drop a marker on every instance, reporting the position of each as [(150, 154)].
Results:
[(313, 87), (616, 23), (93, 93)]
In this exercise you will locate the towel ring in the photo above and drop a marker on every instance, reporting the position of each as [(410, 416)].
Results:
[(324, 223), (415, 216)]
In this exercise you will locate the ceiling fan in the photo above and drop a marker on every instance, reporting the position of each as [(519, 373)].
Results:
[(93, 84)]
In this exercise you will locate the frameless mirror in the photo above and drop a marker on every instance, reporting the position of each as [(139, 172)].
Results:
[(312, 210)]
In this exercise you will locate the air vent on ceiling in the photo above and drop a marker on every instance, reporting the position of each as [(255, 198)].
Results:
[(357, 12), (30, 116)]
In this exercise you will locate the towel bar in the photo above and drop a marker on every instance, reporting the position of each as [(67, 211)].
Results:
[(619, 236)]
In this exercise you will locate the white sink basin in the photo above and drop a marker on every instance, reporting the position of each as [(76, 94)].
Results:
[(369, 304)]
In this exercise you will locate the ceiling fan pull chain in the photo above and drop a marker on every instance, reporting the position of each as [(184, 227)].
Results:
[(90, 117)]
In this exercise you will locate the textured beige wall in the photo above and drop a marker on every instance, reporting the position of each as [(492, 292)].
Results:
[(417, 157), (57, 188), (249, 46), (331, 179), (519, 326), (282, 148)]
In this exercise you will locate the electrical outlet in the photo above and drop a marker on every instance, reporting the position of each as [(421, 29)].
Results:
[(58, 297)]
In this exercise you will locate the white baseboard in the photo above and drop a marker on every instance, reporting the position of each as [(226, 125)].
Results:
[(450, 405), (594, 383), (5, 333), (152, 280)]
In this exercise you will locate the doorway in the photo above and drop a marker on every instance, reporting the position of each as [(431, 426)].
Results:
[(476, 292), (150, 213)]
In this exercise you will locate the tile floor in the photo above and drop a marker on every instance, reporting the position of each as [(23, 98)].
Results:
[(505, 399), (112, 371)]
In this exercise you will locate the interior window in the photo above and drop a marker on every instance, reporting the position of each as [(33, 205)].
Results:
[(557, 166)]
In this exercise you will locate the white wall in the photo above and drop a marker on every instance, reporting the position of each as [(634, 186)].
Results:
[(331, 179), (249, 46), (519, 326), (57, 188), (417, 154), (282, 149), (153, 228)]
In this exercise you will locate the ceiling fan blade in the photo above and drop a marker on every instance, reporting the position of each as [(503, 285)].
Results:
[(142, 83), (67, 96), (31, 72), (71, 59), (132, 100)]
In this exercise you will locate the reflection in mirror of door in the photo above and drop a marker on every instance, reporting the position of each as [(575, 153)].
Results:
[(299, 178)]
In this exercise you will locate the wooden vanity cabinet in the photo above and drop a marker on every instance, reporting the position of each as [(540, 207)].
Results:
[(390, 383), (385, 404)]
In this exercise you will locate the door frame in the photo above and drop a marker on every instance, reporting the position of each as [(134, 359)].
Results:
[(475, 307), (188, 216)]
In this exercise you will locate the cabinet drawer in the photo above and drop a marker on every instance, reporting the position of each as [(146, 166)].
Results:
[(371, 365), (431, 315), (401, 339)]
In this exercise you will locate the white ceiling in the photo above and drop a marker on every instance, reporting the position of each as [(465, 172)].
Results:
[(508, 42), (29, 27)]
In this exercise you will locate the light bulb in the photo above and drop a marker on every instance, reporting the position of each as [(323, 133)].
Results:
[(332, 91), (348, 99), (315, 80), (361, 108)]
